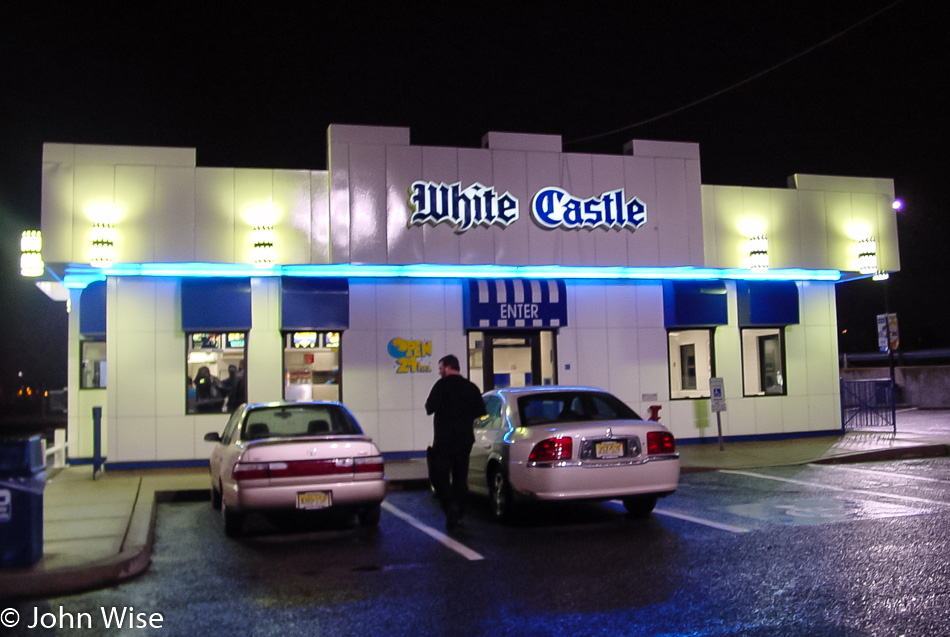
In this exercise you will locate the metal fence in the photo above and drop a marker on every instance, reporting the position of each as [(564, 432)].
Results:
[(868, 404)]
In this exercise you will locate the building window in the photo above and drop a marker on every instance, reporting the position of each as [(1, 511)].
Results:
[(691, 363), (92, 374), (763, 361), (215, 371), (312, 366)]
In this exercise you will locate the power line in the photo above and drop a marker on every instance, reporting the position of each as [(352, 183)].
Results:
[(751, 78)]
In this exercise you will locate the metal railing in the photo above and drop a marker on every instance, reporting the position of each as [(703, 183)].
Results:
[(868, 404)]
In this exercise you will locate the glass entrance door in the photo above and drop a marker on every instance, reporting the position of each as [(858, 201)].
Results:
[(506, 358)]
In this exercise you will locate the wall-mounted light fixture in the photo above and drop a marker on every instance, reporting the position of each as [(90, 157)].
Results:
[(102, 252), (867, 256), (263, 254), (759, 253), (31, 253)]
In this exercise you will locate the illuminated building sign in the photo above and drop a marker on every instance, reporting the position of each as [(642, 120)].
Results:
[(475, 205), (411, 355), (551, 207)]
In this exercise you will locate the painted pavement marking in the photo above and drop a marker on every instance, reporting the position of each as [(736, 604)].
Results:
[(444, 539)]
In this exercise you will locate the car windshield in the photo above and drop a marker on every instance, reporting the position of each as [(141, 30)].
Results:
[(572, 406), (291, 421)]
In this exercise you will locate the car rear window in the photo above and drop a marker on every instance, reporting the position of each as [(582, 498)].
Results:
[(547, 408), (292, 421)]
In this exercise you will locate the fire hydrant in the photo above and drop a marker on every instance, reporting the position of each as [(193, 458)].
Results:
[(655, 412)]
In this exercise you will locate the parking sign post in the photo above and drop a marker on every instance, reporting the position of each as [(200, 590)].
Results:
[(718, 403)]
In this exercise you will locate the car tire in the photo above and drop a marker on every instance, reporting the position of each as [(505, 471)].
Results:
[(215, 498), (370, 515), (233, 521), (639, 506), (500, 496)]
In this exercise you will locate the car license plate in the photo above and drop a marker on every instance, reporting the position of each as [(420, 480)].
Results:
[(313, 500), (609, 449)]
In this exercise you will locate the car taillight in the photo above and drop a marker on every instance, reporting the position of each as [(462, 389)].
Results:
[(552, 450), (373, 464), (659, 442), (304, 468), (251, 471)]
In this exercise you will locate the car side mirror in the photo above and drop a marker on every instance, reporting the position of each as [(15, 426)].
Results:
[(213, 436)]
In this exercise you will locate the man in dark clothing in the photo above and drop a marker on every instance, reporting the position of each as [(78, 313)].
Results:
[(456, 403)]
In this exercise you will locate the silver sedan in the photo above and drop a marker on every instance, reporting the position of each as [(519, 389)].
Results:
[(290, 455), (569, 443)]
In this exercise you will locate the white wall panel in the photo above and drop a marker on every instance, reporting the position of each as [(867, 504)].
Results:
[(339, 163), (320, 217), (175, 439), (174, 222), (94, 202), (544, 246), (672, 212), (427, 305), (610, 245), (621, 304), (56, 211), (135, 208), (643, 246), (361, 369), (293, 216), (214, 215), (813, 220), (623, 365), (510, 172), (367, 183), (476, 246), (136, 440), (694, 212), (265, 347), (403, 167), (362, 304), (440, 243), (394, 304)]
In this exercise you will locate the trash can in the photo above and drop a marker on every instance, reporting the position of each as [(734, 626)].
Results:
[(22, 480)]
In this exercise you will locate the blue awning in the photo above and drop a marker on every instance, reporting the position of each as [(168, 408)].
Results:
[(216, 304), (694, 303), (92, 310), (514, 303), (314, 303), (767, 303)]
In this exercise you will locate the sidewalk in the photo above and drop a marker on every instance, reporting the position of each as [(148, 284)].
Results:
[(100, 532)]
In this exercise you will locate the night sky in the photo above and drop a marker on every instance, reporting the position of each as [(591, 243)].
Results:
[(768, 89)]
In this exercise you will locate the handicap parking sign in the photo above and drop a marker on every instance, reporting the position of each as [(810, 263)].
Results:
[(6, 505)]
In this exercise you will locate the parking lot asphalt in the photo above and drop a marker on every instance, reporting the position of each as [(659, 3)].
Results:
[(99, 532)]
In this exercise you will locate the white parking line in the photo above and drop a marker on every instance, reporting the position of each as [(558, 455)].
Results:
[(883, 473), (458, 547), (818, 485), (689, 518)]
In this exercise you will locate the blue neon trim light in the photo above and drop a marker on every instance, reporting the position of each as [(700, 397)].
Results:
[(79, 276)]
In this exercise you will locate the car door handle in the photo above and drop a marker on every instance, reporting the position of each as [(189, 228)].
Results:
[(486, 445)]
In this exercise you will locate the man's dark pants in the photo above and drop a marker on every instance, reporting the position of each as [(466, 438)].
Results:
[(448, 471)]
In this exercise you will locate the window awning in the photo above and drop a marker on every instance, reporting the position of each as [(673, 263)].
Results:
[(767, 303), (216, 304), (314, 303), (694, 303), (92, 310), (514, 303)]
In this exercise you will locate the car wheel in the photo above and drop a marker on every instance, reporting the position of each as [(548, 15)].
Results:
[(639, 506), (215, 498), (501, 504), (369, 516), (233, 521)]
